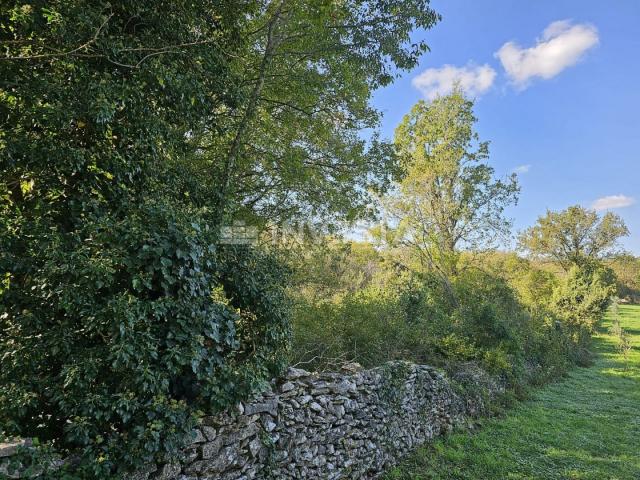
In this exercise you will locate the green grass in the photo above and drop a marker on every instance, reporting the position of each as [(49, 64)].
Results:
[(586, 426)]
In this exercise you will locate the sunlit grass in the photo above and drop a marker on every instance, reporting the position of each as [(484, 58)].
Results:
[(586, 426)]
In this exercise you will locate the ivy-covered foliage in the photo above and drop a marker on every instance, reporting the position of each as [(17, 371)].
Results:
[(126, 336), (121, 315)]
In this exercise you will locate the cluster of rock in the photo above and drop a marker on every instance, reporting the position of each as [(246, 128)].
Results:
[(328, 425), (352, 424)]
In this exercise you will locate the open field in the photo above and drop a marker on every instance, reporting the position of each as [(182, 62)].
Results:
[(584, 427)]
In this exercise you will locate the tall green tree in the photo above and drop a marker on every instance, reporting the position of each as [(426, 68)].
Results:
[(574, 236), (307, 71), (448, 199)]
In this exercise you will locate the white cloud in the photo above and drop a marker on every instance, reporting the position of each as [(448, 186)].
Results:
[(613, 201), (473, 80), (522, 168), (562, 45)]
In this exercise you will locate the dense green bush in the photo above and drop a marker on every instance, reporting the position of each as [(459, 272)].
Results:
[(119, 342), (584, 295), (488, 313), (384, 320), (504, 318), (368, 326)]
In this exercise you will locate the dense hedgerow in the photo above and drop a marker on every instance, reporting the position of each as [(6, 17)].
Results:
[(511, 317), (130, 134)]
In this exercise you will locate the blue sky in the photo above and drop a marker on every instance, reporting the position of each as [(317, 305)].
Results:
[(561, 102)]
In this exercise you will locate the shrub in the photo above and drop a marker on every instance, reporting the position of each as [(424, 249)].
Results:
[(389, 319), (367, 327), (129, 327), (409, 317), (502, 320), (583, 297), (488, 312)]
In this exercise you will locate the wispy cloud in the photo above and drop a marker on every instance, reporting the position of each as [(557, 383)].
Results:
[(473, 80), (562, 45), (613, 201), (522, 169)]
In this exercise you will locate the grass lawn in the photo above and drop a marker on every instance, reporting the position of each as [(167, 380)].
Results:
[(584, 427)]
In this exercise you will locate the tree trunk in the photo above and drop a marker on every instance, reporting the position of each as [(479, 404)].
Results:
[(236, 146)]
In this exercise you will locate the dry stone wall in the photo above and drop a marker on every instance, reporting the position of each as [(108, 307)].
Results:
[(347, 425)]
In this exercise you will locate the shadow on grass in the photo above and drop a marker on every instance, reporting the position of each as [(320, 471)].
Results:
[(583, 427)]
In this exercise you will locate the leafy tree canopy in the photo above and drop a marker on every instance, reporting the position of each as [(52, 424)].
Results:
[(307, 70), (448, 198), (574, 236), (627, 270)]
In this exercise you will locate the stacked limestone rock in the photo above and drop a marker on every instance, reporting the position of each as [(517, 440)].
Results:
[(323, 426), (326, 425)]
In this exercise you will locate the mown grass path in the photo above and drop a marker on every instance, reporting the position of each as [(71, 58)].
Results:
[(584, 427)]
